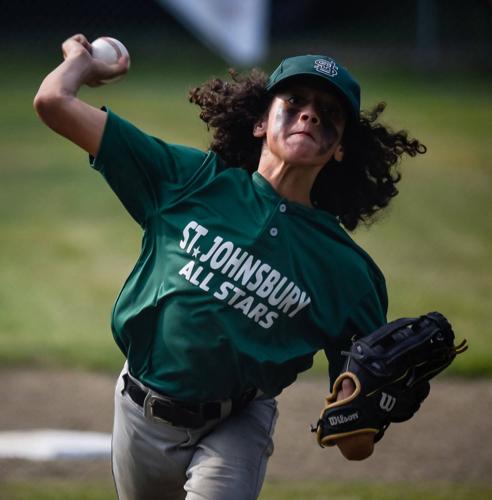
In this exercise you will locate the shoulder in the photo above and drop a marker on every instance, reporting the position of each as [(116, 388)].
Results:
[(187, 154), (121, 128), (353, 266), (349, 251)]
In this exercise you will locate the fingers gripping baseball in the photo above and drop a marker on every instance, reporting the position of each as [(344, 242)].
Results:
[(75, 45), (95, 70)]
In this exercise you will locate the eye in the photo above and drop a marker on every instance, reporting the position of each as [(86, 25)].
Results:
[(294, 100)]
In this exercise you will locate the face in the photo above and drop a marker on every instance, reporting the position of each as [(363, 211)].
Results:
[(304, 124)]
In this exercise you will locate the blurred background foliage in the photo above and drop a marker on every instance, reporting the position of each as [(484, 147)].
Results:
[(66, 245)]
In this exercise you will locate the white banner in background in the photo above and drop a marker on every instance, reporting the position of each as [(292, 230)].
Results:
[(47, 444), (236, 29)]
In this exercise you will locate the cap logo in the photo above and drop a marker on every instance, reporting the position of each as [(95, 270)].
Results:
[(328, 67)]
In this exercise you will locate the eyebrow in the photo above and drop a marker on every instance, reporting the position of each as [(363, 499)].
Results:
[(326, 98), (301, 88)]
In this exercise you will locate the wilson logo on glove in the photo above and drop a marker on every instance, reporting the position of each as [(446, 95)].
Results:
[(343, 419), (387, 402)]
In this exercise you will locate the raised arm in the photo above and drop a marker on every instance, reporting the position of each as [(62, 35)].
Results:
[(56, 101)]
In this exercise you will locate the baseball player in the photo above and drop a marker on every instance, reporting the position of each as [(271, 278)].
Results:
[(246, 270)]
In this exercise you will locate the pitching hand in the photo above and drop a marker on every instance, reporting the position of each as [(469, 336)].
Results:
[(92, 71)]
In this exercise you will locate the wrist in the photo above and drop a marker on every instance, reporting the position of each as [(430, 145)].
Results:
[(73, 73), (62, 84)]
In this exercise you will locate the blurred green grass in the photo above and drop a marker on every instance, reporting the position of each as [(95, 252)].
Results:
[(47, 490), (67, 245)]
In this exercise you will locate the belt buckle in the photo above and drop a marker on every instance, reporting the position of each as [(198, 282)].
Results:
[(148, 407)]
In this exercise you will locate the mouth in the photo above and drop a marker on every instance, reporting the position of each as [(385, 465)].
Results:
[(305, 134)]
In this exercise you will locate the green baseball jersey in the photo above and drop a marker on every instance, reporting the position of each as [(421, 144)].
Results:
[(235, 286)]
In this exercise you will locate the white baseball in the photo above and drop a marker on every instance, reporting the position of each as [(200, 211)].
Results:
[(109, 50)]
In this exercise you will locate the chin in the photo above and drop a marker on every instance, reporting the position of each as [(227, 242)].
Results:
[(305, 161), (300, 156), (306, 156)]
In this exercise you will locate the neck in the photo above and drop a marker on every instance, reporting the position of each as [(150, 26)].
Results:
[(293, 183)]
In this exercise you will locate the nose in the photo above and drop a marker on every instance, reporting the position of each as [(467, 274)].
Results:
[(309, 114)]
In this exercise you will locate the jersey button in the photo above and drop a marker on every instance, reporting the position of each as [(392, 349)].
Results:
[(282, 207), (273, 231)]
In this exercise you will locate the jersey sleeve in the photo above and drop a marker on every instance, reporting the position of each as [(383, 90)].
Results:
[(368, 315), (143, 171)]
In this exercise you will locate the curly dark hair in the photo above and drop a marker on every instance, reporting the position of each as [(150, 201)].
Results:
[(352, 190)]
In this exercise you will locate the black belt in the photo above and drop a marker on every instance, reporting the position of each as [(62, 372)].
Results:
[(182, 413)]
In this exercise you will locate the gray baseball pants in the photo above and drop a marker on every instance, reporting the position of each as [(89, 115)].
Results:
[(226, 459)]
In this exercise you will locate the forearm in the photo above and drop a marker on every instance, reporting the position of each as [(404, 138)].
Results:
[(64, 81), (56, 102), (59, 108)]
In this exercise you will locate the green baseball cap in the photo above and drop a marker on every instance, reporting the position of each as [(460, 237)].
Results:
[(322, 67)]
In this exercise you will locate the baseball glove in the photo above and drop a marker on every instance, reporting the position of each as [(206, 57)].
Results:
[(391, 369)]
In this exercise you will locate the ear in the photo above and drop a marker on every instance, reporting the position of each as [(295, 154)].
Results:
[(338, 154), (260, 127)]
